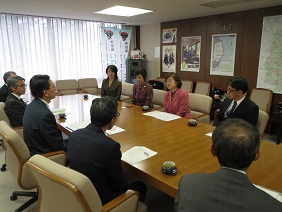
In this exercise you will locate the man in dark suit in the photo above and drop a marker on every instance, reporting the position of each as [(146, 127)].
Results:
[(237, 104), (4, 91), (94, 154), (14, 105), (41, 134), (236, 145)]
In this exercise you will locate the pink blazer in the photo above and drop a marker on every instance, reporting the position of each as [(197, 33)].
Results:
[(179, 105)]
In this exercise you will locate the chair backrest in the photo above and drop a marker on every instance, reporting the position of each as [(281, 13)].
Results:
[(3, 115), (61, 188), (17, 155), (187, 85), (88, 84), (262, 122), (68, 86), (262, 97), (156, 84), (158, 98), (203, 88), (127, 89), (200, 103)]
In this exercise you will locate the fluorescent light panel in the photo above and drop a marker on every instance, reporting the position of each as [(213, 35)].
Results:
[(123, 11)]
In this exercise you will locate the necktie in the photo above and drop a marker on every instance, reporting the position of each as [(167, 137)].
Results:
[(229, 112)]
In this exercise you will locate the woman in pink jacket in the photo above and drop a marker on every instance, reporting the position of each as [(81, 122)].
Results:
[(176, 100)]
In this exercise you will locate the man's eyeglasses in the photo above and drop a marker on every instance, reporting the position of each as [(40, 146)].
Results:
[(22, 85), (230, 90), (118, 114)]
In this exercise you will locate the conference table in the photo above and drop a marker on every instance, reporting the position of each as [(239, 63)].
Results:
[(187, 146)]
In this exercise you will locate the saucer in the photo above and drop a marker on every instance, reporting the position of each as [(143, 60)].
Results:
[(173, 171)]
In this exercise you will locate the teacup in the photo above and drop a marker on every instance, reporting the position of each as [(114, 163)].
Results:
[(169, 167), (192, 122), (62, 115), (145, 107)]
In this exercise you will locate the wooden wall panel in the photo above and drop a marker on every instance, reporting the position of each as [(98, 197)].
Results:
[(248, 27)]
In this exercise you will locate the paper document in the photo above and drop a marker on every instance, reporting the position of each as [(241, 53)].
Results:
[(114, 130), (84, 124), (209, 134), (57, 111), (137, 154), (162, 115), (275, 194), (78, 125)]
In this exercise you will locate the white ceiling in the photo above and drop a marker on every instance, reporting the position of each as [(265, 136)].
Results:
[(164, 10)]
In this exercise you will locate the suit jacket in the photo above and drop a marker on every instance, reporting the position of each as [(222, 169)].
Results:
[(179, 105), (246, 110), (4, 93), (14, 109), (41, 134), (97, 156), (143, 95), (114, 90), (224, 190)]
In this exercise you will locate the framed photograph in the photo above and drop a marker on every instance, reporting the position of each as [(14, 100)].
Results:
[(169, 58), (170, 35), (190, 53), (223, 54)]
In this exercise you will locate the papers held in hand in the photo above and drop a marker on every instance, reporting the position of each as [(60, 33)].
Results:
[(137, 154)]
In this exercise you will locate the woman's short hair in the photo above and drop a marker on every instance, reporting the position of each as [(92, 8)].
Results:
[(142, 72), (114, 69), (103, 110), (176, 78), (38, 84)]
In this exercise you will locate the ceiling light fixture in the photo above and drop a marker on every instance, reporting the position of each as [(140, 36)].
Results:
[(123, 11)]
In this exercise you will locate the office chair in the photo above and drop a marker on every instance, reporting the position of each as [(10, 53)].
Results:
[(17, 154), (200, 106), (262, 123), (90, 85), (4, 117), (64, 189)]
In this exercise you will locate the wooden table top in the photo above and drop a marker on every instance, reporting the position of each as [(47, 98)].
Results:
[(187, 146)]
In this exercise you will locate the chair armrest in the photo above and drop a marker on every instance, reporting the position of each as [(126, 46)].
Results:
[(199, 116), (59, 157), (122, 203)]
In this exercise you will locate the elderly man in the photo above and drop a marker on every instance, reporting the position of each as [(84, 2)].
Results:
[(4, 91), (236, 144), (15, 106), (41, 134), (237, 104)]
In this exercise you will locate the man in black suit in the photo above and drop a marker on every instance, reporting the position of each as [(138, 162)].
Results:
[(237, 104), (4, 91), (14, 105), (41, 134), (94, 154), (236, 145)]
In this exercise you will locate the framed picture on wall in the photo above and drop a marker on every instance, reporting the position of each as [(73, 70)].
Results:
[(190, 53), (223, 54), (169, 35), (169, 58)]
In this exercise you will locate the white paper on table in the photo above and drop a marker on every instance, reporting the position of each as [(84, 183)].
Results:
[(137, 154), (275, 194), (162, 115), (57, 111), (79, 125), (209, 134), (114, 130)]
